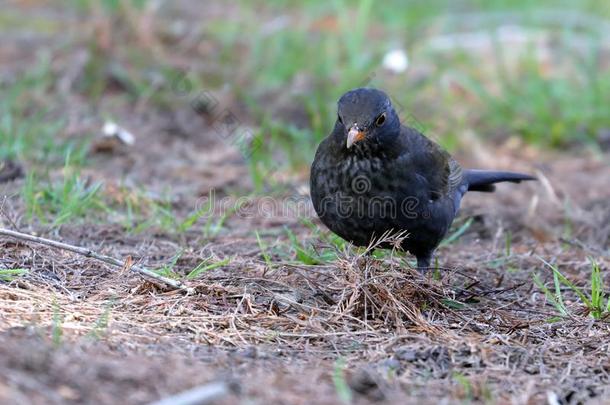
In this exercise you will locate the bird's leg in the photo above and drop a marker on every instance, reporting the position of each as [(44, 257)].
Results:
[(423, 262)]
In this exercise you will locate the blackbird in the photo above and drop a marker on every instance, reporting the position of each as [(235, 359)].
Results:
[(373, 176)]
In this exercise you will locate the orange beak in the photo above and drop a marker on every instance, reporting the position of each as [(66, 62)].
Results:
[(354, 135)]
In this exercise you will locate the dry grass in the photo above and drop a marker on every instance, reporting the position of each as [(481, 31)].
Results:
[(376, 314)]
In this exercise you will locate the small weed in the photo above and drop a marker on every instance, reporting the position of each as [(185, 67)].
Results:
[(508, 243), (64, 201), (215, 224), (168, 269), (505, 258), (9, 275), (192, 219), (101, 324), (57, 328), (205, 266), (263, 250), (139, 213), (597, 301), (159, 214), (331, 239), (437, 271), (457, 234), (453, 304), (307, 254), (343, 391), (465, 384)]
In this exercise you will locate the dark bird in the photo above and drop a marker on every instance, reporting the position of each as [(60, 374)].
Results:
[(373, 176)]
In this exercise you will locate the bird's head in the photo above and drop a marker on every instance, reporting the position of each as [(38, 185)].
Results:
[(366, 117)]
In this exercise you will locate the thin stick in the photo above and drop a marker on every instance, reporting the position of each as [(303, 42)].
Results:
[(148, 274), (202, 395)]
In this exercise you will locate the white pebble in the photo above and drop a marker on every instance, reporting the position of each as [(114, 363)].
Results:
[(396, 61)]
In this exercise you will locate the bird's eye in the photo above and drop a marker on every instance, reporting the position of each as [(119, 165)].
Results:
[(339, 119), (380, 120)]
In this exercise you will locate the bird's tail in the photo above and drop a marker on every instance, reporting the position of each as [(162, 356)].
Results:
[(483, 180)]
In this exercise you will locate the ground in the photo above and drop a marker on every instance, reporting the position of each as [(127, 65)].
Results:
[(515, 311)]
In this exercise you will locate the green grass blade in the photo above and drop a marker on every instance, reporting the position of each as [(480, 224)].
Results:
[(343, 391), (203, 267), (558, 304), (459, 232), (9, 275), (569, 284)]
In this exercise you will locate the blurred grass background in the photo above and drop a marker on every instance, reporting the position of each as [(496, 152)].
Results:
[(521, 72)]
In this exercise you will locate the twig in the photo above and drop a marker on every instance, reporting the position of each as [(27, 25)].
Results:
[(201, 395), (148, 274)]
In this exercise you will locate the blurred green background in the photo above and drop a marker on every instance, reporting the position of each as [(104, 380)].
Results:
[(519, 73)]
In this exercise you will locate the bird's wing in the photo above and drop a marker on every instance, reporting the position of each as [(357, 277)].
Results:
[(456, 174), (442, 173)]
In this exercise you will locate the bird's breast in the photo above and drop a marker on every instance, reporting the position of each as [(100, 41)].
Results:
[(361, 198)]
